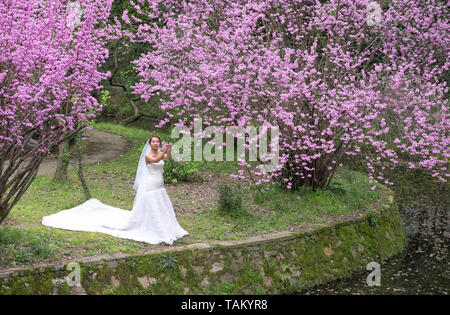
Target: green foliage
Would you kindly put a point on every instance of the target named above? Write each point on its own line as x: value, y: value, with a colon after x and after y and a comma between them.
x: 168, y: 261
x: 109, y: 107
x: 225, y: 288
x: 336, y: 187
x: 176, y: 171
x: 104, y: 97
x: 286, y: 271
x: 348, y: 191
x: 21, y: 247
x: 230, y: 198
x: 372, y: 218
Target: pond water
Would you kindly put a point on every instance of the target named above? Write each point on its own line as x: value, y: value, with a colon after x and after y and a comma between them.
x: 423, y: 267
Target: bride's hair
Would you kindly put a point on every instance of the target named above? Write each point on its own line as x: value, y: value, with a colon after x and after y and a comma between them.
x: 154, y: 136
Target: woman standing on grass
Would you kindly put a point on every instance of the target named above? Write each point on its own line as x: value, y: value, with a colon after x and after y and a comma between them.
x: 152, y: 219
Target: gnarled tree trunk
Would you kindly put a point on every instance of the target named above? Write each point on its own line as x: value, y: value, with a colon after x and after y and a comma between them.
x: 62, y: 164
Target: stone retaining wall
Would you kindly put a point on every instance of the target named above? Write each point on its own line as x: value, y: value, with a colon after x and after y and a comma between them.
x: 275, y: 264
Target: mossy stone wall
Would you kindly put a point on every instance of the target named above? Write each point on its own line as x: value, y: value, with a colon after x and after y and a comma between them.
x: 276, y: 264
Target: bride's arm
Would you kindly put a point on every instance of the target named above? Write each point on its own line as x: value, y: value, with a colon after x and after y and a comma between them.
x: 150, y: 159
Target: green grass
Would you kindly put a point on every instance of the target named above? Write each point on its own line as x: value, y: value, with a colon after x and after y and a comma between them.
x: 23, y: 246
x: 112, y: 183
x: 302, y: 208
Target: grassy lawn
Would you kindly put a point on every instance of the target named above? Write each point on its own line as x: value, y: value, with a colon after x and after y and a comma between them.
x: 24, y: 240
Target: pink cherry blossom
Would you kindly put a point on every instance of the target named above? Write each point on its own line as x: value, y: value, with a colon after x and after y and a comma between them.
x: 333, y: 83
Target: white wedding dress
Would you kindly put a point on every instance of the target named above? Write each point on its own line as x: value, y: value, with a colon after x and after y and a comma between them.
x: 152, y: 219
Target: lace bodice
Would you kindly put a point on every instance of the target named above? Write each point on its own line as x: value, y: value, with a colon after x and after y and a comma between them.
x: 154, y: 168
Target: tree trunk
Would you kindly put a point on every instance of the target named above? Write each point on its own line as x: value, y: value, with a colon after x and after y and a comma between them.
x: 137, y: 113
x: 22, y: 168
x: 62, y: 162
x: 80, y: 166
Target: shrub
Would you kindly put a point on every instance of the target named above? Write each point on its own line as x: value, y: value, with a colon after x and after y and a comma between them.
x: 372, y: 218
x: 23, y: 247
x: 230, y: 198
x: 175, y: 171
x: 168, y: 261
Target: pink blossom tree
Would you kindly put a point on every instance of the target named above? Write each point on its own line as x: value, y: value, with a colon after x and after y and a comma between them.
x: 338, y: 77
x: 50, y: 51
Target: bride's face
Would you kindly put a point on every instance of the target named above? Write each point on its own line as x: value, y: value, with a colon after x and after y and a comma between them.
x: 155, y: 144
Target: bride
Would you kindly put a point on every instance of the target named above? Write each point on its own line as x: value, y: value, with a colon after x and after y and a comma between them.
x: 152, y: 219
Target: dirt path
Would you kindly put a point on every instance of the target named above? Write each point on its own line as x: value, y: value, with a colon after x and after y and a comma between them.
x: 103, y: 146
